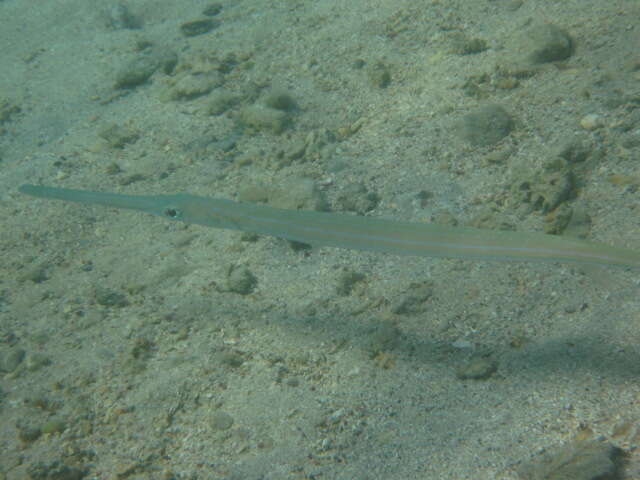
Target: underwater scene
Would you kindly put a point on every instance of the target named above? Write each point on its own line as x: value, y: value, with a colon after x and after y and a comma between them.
x: 317, y: 240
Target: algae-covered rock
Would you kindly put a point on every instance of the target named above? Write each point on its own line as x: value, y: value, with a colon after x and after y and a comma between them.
x: 8, y: 108
x: 293, y: 194
x: 54, y: 426
x: 220, y: 101
x: 212, y: 9
x: 264, y: 118
x: 462, y: 44
x: 118, y: 136
x: 542, y: 44
x: 347, y: 280
x: 582, y: 459
x: 414, y: 298
x: 241, y: 280
x: 485, y: 126
x: 357, y: 198
x: 56, y: 470
x: 139, y: 69
x: 479, y: 367
x: 280, y: 100
x: 384, y: 338
x: 198, y: 27
x: 119, y: 17
x: 221, y: 421
x: 379, y: 75
x: 547, y: 187
x: 190, y: 85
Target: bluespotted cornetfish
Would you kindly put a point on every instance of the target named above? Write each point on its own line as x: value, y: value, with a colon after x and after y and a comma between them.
x: 356, y: 232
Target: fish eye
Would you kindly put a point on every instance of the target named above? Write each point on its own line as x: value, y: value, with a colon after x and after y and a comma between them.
x: 172, y: 212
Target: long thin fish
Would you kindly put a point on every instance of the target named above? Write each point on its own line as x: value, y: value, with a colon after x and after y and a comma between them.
x: 356, y: 232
